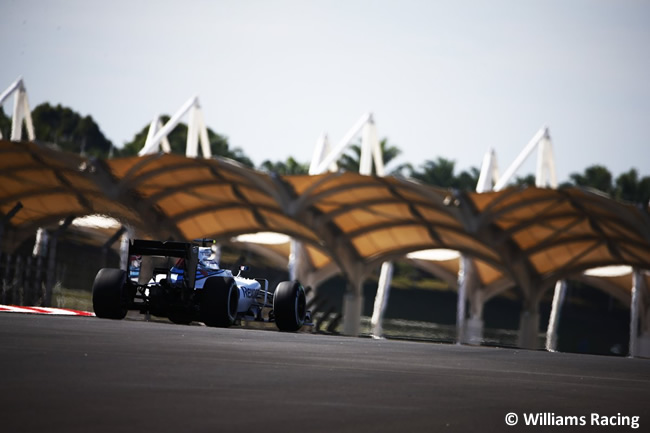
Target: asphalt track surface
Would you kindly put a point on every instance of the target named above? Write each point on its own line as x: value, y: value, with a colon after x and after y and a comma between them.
x: 83, y: 374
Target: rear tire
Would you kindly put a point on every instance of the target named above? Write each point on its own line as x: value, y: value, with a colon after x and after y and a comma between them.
x: 110, y: 294
x: 289, y: 306
x: 219, y: 301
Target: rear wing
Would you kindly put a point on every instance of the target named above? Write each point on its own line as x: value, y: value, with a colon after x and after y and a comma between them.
x: 181, y: 250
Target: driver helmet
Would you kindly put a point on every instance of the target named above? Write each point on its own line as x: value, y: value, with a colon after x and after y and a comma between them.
x: 207, y: 258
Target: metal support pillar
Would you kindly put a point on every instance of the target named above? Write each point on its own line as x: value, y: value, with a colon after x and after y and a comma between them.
x: 474, y: 324
x: 460, y: 311
x: 467, y: 282
x: 381, y: 300
x: 554, y: 319
x: 529, y: 327
x: 299, y: 268
x: 352, y: 308
x: 474, y: 331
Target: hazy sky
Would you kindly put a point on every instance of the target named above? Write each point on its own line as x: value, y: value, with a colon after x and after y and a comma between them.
x: 443, y: 78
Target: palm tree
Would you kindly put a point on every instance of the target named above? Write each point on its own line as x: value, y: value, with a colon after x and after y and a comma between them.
x: 351, y: 161
x: 291, y: 166
x: 439, y: 172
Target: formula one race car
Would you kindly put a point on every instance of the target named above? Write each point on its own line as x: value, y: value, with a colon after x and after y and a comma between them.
x: 183, y: 282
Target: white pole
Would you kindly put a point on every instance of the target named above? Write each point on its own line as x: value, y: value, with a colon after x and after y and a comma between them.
x: 464, y: 275
x: 545, y: 175
x: 365, y: 161
x: 378, y: 156
x: 320, y: 150
x: 370, y: 150
x: 192, y: 146
x: 550, y: 161
x: 203, y: 134
x: 27, y: 113
x: 540, y: 171
x: 17, y: 120
x: 489, y: 172
x: 634, y: 311
x: 154, y: 126
x: 381, y: 300
x: 554, y: 319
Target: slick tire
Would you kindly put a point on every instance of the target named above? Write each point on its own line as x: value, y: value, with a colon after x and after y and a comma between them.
x: 289, y: 306
x: 219, y: 301
x: 110, y: 294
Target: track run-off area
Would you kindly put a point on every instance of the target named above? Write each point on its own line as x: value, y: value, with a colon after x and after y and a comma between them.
x: 74, y: 374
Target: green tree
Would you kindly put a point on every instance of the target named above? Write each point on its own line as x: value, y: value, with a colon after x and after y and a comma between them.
x: 178, y: 141
x: 5, y: 125
x: 629, y: 187
x: 528, y: 180
x: 290, y: 166
x: 69, y: 130
x: 595, y: 176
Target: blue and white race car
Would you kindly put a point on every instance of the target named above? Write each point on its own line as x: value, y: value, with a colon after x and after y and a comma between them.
x: 183, y: 282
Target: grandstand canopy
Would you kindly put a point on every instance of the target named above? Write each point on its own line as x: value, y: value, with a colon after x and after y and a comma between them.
x: 534, y: 236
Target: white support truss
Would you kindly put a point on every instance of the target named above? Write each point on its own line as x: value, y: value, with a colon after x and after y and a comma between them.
x: 489, y: 180
x: 369, y: 148
x: 196, y: 131
x: 21, y: 112
x: 324, y: 159
x: 545, y: 175
x: 489, y: 172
